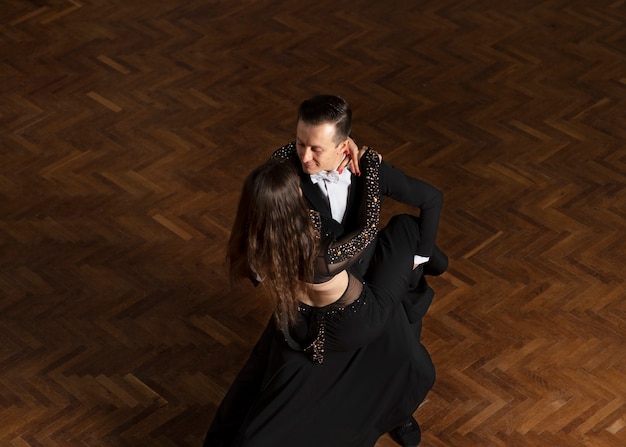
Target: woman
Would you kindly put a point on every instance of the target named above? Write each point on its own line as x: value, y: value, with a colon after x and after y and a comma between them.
x: 337, y: 364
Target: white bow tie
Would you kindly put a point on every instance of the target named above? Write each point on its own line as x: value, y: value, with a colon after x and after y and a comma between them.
x: 329, y: 176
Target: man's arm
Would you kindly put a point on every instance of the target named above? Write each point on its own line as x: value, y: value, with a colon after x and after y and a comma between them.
x: 416, y: 193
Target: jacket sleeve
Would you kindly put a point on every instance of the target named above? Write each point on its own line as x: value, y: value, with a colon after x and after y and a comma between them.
x: 419, y: 194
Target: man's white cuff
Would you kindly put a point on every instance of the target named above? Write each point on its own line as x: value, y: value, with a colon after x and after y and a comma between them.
x: 417, y: 259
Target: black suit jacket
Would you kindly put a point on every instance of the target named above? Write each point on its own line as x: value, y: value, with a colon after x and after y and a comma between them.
x: 393, y: 183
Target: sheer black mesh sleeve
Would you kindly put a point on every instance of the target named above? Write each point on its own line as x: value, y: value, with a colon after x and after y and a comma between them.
x: 339, y: 254
x: 286, y: 152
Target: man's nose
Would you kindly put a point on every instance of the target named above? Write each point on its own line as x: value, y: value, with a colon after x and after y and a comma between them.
x: 307, y: 155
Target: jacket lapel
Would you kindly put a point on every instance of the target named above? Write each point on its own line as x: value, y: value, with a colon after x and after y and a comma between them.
x: 313, y: 195
x: 351, y: 217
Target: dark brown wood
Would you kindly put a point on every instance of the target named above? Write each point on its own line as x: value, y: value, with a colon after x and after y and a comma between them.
x: 127, y: 128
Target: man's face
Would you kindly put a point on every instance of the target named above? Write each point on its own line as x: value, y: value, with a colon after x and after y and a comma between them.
x: 316, y: 147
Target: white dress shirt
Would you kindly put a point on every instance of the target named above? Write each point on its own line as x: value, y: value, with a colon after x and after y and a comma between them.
x: 335, y: 188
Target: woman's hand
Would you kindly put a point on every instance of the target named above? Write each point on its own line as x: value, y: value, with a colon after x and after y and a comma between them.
x: 353, y: 155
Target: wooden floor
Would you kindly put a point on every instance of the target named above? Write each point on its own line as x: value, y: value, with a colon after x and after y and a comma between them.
x: 127, y: 127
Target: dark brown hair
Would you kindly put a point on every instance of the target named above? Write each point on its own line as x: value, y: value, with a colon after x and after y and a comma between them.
x: 332, y: 109
x: 273, y: 235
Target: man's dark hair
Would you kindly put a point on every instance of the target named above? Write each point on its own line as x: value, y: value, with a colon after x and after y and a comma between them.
x: 332, y: 109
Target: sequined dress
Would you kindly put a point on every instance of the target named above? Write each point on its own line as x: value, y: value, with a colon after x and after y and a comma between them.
x: 347, y: 372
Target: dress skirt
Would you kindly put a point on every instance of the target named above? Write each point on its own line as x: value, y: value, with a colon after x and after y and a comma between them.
x: 374, y: 373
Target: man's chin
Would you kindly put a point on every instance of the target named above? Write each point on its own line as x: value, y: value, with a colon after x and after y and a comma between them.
x: 311, y: 171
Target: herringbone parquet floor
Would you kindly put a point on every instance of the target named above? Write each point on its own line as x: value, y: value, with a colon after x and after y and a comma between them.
x: 127, y: 128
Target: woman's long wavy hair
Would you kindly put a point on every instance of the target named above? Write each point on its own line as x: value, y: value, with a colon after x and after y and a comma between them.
x: 273, y: 235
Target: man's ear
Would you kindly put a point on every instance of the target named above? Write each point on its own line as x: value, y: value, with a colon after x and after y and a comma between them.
x: 343, y: 146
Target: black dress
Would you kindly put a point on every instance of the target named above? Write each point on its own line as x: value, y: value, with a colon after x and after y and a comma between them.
x: 347, y: 372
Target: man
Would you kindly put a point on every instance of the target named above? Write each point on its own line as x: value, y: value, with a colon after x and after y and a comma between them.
x: 320, y: 154
x: 319, y: 151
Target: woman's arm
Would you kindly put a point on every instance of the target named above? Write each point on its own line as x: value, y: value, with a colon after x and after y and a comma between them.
x: 341, y: 253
